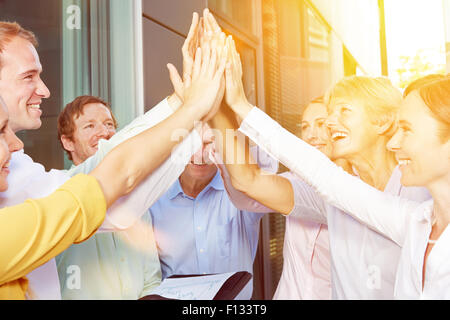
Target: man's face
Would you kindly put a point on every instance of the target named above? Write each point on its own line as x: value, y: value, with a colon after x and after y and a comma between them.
x: 200, y: 167
x: 94, y: 124
x: 21, y: 85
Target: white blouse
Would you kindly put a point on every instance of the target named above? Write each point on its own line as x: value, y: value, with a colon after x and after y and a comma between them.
x: 406, y: 222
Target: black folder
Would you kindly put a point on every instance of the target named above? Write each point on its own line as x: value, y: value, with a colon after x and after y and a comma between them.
x: 229, y: 290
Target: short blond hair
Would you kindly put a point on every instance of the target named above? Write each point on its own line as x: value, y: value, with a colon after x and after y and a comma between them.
x: 10, y: 30
x: 376, y: 94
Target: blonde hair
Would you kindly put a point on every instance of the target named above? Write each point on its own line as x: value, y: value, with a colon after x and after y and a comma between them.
x: 376, y: 94
x: 10, y: 30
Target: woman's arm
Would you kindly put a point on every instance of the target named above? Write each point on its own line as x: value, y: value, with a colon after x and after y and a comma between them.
x: 37, y: 230
x: 274, y: 192
x: 386, y: 214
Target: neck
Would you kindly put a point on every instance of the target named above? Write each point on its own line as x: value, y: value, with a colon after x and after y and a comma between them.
x: 440, y: 192
x: 374, y: 165
x: 192, y: 186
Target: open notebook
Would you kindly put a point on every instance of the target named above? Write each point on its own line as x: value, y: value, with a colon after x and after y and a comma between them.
x: 223, y: 286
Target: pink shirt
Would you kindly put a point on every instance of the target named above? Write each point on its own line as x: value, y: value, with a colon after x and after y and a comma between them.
x: 306, y: 271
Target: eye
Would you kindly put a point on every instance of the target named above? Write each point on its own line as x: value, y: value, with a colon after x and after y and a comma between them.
x: 89, y: 126
x: 345, y: 110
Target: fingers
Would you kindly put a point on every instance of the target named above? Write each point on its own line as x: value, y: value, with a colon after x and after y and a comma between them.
x: 213, y: 26
x: 188, y: 49
x: 197, y: 64
x: 206, y: 57
x: 175, y: 78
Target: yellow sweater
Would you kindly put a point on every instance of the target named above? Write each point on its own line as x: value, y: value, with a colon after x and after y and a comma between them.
x: 37, y: 230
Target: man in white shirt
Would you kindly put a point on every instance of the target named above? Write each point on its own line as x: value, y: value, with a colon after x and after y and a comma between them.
x: 114, y: 265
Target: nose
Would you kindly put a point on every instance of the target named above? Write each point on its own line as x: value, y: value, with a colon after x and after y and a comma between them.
x: 309, y: 134
x: 394, y: 143
x: 42, y: 89
x: 14, y: 143
x: 103, y: 131
x: 331, y: 121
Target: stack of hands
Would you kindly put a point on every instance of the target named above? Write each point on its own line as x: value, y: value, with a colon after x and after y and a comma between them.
x: 212, y: 72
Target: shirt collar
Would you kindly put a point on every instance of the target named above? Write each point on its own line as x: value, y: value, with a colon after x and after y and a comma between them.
x: 425, y: 212
x: 215, y: 183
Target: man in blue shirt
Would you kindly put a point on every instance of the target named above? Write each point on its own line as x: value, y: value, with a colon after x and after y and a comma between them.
x: 197, y: 228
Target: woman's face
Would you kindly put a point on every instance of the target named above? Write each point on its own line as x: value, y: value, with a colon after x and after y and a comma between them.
x: 422, y: 155
x: 351, y: 129
x: 314, y: 130
x: 8, y: 143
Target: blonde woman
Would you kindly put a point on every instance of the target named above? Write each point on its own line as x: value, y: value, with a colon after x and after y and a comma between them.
x: 362, y: 114
x: 421, y: 145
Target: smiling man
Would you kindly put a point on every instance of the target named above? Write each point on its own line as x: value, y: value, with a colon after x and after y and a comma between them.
x: 121, y: 265
x: 82, y: 123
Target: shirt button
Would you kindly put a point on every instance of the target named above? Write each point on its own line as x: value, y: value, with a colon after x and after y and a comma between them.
x: 122, y: 259
x: 199, y: 228
x: 202, y: 250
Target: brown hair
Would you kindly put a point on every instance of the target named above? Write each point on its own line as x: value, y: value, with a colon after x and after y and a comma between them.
x: 73, y: 110
x: 436, y: 96
x: 416, y: 84
x: 10, y: 30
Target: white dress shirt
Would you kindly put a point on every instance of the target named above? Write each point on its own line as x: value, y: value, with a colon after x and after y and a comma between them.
x: 28, y: 179
x: 364, y: 263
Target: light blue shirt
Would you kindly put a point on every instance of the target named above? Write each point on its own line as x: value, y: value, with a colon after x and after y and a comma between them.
x: 204, y: 235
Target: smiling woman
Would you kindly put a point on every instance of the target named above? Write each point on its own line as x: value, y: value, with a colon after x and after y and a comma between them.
x: 362, y: 113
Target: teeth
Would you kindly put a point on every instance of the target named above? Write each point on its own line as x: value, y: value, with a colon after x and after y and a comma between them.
x: 404, y: 162
x: 338, y: 135
x: 34, y: 106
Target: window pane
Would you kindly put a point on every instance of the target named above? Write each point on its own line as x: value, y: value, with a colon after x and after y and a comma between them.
x: 240, y: 12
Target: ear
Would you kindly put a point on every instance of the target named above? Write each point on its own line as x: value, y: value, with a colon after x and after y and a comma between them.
x: 68, y: 144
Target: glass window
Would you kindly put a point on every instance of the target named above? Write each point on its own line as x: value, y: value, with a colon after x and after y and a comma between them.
x: 240, y: 12
x: 318, y: 38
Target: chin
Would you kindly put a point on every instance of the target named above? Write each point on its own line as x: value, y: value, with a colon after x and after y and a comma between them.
x: 36, y: 124
x: 3, y: 186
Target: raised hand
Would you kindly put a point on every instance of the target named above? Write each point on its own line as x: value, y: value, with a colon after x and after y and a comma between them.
x: 188, y: 50
x: 207, y: 83
x: 234, y: 92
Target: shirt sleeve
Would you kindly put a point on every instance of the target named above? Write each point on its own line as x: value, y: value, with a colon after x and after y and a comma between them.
x: 38, y: 230
x: 384, y: 213
x: 308, y: 205
x: 128, y: 209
